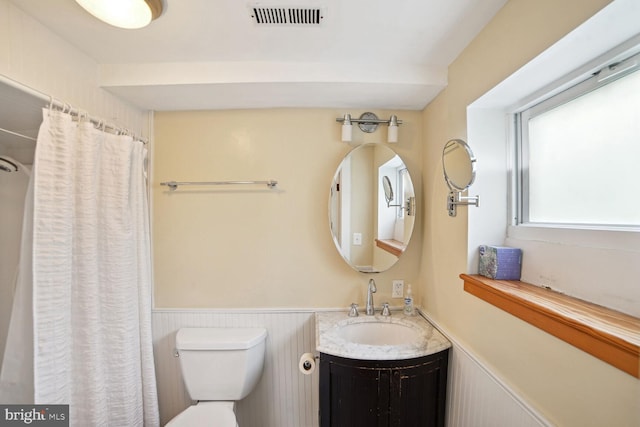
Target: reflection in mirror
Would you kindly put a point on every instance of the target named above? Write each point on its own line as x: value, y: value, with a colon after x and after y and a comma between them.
x: 459, y: 167
x: 369, y: 233
x: 388, y: 189
x: 410, y: 203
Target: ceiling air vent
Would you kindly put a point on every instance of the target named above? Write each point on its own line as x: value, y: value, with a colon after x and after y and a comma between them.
x: 286, y: 15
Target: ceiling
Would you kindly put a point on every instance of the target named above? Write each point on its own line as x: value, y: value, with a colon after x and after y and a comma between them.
x: 211, y: 54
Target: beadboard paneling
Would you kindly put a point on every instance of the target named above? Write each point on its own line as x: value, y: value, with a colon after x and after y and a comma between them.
x: 286, y: 398
x: 475, y: 397
x: 283, y: 397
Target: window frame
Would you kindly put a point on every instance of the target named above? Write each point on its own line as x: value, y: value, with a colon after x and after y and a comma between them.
x: 614, y: 69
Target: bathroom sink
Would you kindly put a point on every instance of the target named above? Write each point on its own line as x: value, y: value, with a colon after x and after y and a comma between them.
x: 377, y: 337
x: 378, y: 333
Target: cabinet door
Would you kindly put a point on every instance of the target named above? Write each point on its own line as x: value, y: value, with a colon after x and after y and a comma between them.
x: 418, y: 395
x: 396, y: 393
x: 353, y: 397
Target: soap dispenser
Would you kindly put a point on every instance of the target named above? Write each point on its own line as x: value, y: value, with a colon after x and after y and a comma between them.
x: 409, y: 310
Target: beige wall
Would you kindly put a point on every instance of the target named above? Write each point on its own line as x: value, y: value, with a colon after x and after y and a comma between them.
x: 250, y: 247
x: 246, y: 248
x: 568, y: 386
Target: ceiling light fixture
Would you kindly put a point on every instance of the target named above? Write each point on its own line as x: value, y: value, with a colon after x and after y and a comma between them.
x: 129, y: 14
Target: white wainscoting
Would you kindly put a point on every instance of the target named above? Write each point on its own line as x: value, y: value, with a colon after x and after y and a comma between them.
x: 286, y: 398
x: 476, y: 398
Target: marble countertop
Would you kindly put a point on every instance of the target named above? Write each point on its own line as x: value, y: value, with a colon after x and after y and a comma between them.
x: 329, y: 341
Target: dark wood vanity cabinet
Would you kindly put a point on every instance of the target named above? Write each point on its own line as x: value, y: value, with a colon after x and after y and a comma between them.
x: 388, y: 393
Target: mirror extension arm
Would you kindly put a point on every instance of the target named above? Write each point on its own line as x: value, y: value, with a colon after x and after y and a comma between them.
x: 456, y: 198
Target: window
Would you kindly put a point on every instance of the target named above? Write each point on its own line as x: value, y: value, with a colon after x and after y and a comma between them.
x: 594, y: 264
x: 573, y: 205
x: 402, y: 176
x: 579, y: 153
x: 390, y: 220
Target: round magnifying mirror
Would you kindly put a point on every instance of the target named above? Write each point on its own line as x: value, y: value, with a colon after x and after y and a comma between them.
x: 388, y: 189
x: 369, y: 233
x: 459, y: 165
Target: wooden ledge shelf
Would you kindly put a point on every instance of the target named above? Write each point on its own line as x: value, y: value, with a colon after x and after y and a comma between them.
x: 392, y: 246
x: 609, y: 335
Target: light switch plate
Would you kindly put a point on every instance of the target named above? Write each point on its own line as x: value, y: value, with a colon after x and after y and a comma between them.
x: 357, y: 239
x: 398, y: 289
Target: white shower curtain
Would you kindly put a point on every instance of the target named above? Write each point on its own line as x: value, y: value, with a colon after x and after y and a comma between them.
x: 91, y: 276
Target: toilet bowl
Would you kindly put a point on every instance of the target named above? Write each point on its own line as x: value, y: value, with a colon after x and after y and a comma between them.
x: 219, y: 367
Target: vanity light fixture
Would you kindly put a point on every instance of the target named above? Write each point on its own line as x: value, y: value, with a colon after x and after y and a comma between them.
x: 368, y: 123
x: 128, y: 14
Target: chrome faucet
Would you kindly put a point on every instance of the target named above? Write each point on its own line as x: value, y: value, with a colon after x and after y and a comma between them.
x: 370, y: 291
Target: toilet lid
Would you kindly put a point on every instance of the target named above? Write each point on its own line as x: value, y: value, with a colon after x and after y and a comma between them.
x: 205, y: 414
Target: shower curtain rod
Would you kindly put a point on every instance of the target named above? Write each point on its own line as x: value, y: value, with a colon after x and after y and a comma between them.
x: 68, y: 108
x: 17, y: 134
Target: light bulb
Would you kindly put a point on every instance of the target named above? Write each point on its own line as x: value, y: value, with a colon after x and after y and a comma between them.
x: 392, y: 132
x: 347, y: 128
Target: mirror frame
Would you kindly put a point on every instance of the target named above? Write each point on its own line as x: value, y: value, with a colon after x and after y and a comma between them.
x: 472, y: 160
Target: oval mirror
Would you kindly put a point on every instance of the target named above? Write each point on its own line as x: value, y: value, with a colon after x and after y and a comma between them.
x: 458, y: 164
x: 370, y: 233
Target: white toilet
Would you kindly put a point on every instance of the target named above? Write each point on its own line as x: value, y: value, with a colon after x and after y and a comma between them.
x: 219, y: 366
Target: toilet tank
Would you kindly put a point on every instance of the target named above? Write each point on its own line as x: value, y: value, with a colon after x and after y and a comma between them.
x: 221, y: 363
